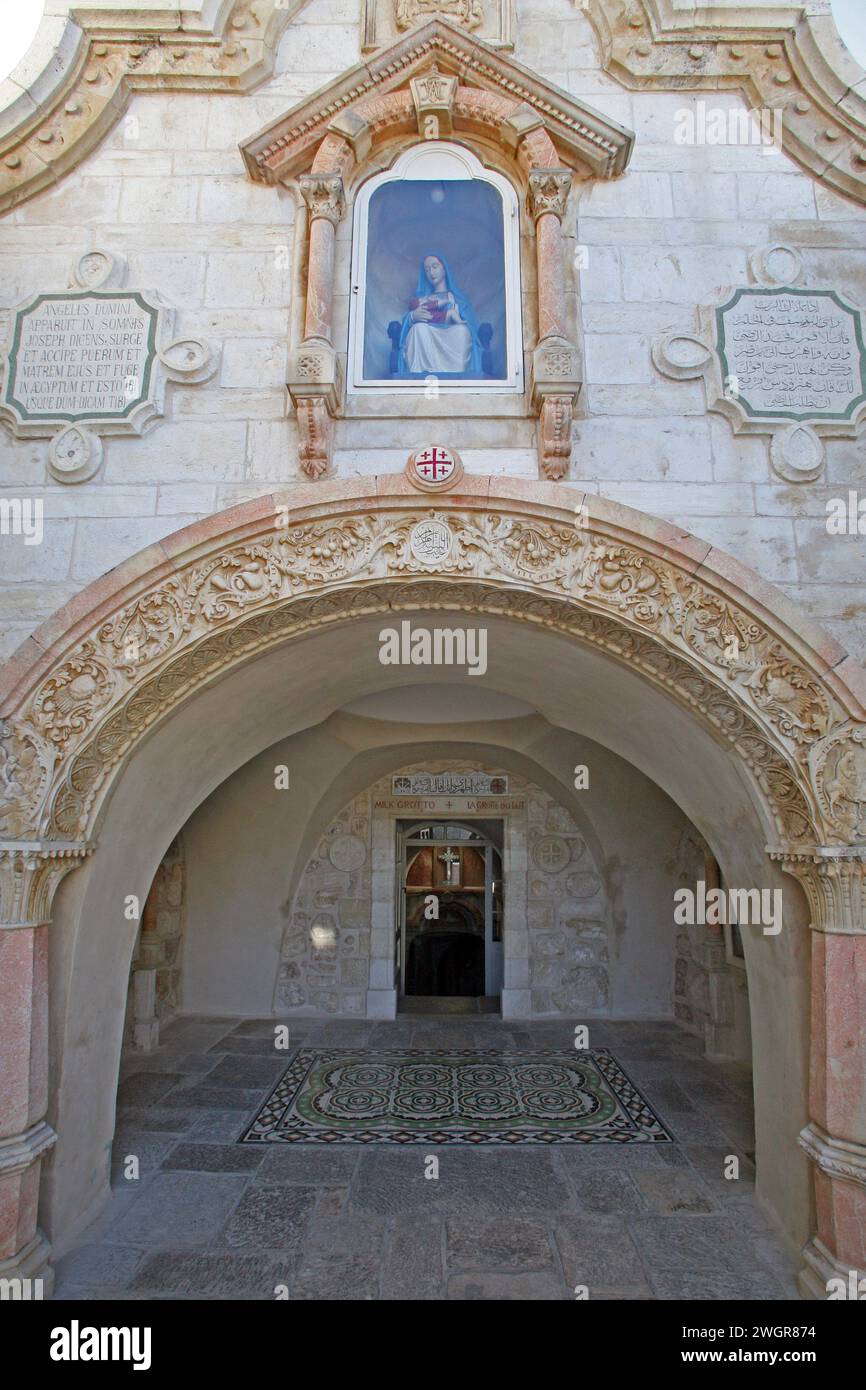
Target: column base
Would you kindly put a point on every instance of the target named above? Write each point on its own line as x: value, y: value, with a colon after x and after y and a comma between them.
x: 827, y: 1278
x: 32, y: 1266
x: 516, y: 1003
x: 381, y: 1003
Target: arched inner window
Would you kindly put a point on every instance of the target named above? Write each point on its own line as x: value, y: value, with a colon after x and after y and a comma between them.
x: 435, y: 303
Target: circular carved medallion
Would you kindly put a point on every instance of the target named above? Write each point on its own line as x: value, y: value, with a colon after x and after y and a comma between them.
x: 551, y: 853
x: 347, y: 852
x: 430, y: 541
x: 434, y: 468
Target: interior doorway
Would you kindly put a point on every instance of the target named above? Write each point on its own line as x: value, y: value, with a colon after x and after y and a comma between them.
x: 450, y: 905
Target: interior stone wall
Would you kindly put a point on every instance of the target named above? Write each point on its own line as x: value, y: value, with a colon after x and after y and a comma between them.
x: 555, y: 891
x: 710, y: 993
x: 158, y: 946
x: 325, y: 951
x: 568, y: 915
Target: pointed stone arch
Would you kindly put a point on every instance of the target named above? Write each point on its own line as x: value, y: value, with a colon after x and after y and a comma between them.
x: 98, y: 679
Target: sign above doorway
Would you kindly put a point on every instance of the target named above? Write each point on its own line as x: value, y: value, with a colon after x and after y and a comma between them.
x: 449, y: 784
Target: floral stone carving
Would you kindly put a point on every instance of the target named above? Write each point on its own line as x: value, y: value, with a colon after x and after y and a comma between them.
x: 743, y: 683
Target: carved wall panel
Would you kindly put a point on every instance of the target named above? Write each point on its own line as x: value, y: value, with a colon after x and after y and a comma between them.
x: 752, y: 690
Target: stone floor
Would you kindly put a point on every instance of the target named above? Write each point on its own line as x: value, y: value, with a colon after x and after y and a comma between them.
x: 211, y: 1218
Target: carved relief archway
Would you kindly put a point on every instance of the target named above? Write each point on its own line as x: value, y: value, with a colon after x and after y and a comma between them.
x: 90, y: 686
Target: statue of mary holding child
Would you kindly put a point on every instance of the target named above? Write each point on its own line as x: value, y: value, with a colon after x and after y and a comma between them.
x: 439, y: 334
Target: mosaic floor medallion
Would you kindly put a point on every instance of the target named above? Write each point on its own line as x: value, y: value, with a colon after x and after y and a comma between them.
x: 355, y: 1096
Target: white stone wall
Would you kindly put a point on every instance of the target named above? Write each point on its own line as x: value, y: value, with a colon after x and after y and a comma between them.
x: 261, y: 876
x: 167, y: 189
x: 326, y: 946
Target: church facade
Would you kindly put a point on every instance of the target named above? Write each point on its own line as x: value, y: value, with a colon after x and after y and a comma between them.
x: 430, y: 443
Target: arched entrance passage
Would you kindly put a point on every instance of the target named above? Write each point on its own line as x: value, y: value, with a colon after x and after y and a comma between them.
x: 183, y: 663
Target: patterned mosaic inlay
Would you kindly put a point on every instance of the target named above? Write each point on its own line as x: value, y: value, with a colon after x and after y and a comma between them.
x: 470, y: 1097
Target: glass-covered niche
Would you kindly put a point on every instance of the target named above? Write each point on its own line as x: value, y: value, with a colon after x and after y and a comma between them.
x: 436, y: 277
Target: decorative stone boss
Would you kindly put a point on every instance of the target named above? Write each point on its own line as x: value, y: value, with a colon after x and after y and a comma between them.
x: 428, y: 85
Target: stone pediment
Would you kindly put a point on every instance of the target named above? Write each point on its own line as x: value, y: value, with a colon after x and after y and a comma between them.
x: 585, y: 139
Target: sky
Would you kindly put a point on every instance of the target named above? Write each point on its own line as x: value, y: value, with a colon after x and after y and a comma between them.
x: 19, y: 20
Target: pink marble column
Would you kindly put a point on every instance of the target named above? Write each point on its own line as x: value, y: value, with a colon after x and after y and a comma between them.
x: 551, y: 277
x: 323, y: 195
x: 835, y: 1138
x: 837, y: 1101
x: 29, y: 875
x: 320, y: 280
x: 24, y: 1136
x: 548, y: 195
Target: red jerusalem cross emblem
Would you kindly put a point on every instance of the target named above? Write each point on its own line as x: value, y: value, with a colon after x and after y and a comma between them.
x: 434, y: 468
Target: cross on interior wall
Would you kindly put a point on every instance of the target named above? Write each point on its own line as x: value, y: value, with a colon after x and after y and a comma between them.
x: 449, y: 858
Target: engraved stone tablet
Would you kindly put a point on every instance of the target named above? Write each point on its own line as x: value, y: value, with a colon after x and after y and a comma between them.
x: 83, y: 357
x: 792, y: 354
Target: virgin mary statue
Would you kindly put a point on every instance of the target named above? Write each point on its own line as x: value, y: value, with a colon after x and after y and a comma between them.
x: 439, y: 335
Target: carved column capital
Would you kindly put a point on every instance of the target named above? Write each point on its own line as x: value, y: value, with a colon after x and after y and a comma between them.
x: 834, y: 881
x: 548, y: 192
x: 324, y: 196
x: 30, y: 874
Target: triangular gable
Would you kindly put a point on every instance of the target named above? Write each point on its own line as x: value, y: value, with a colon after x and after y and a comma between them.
x: 584, y: 138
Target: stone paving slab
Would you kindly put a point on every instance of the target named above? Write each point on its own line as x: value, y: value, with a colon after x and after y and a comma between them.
x: 412, y: 1260
x: 597, y: 1252
x: 341, y: 1259
x: 157, y: 1120
x: 150, y: 1150
x: 146, y: 1088
x: 469, y: 1181
x: 207, y: 1274
x: 211, y: 1158
x: 97, y: 1266
x: 217, y: 1127
x: 634, y: 1222
x: 507, y: 1288
x: 323, y: 1166
x: 179, y: 1209
x: 248, y: 1072
x: 214, y: 1098
x: 498, y: 1243
x: 614, y: 1194
x: 671, y: 1190
x: 256, y: 1045
x: 271, y: 1217
x: 694, y: 1244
